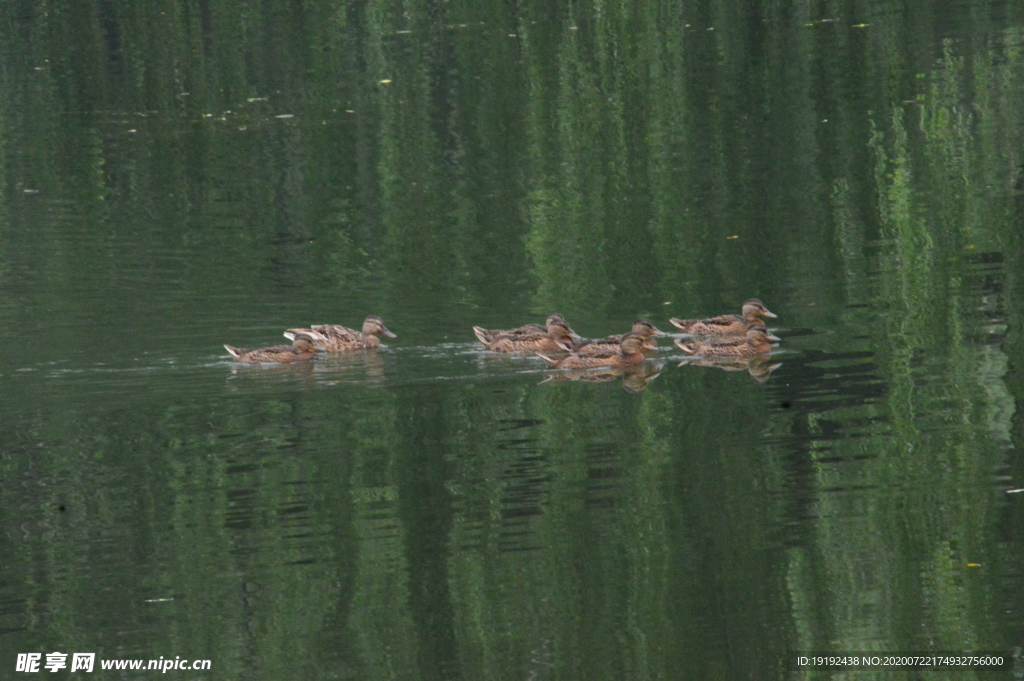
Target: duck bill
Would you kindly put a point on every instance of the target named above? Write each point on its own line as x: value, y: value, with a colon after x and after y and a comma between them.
x: 772, y: 337
x: 768, y: 313
x: 658, y: 332
x: 388, y: 333
x: 650, y: 345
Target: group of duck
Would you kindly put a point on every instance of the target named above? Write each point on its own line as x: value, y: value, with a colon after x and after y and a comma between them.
x: 743, y: 335
x: 317, y: 338
x: 724, y: 336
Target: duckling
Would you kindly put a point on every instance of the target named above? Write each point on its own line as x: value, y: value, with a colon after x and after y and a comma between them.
x: 754, y: 343
x: 488, y: 336
x: 727, y: 324
x: 337, y: 338
x: 630, y: 353
x: 557, y: 331
x: 641, y: 327
x: 301, y: 350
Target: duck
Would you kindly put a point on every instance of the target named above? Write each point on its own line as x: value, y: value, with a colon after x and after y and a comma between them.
x: 630, y: 353
x: 557, y: 332
x: 337, y: 338
x: 755, y: 342
x: 727, y: 324
x: 642, y: 327
x: 487, y: 336
x: 301, y: 350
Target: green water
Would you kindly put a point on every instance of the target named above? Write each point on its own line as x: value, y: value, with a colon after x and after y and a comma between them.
x: 180, y: 175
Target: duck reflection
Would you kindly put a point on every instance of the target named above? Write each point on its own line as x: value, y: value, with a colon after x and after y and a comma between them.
x: 353, y: 367
x: 302, y: 372
x: 634, y: 378
x: 760, y: 367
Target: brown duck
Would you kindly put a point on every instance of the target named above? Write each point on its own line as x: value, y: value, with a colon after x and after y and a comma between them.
x: 630, y: 353
x: 727, y: 324
x: 488, y: 336
x: 301, y: 350
x: 557, y: 331
x: 641, y: 327
x: 756, y: 342
x: 337, y: 338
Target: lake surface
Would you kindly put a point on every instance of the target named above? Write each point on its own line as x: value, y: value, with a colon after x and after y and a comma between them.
x: 184, y: 175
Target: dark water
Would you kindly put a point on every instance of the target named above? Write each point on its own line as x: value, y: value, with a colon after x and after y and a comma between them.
x: 179, y: 178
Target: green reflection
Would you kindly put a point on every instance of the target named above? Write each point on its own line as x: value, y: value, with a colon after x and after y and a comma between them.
x: 181, y: 175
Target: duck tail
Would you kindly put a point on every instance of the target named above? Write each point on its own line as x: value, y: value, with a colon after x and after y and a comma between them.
x: 482, y: 335
x: 290, y: 334
x: 568, y: 346
x: 550, y: 360
x: 688, y: 348
x: 681, y: 324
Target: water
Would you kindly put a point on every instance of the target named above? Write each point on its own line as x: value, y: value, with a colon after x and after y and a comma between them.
x: 432, y: 510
